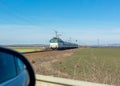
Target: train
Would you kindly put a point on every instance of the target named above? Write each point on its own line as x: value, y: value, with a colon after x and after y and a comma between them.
x: 57, y: 43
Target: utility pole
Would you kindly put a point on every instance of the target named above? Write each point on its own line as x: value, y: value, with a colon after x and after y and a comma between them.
x: 98, y: 42
x: 70, y: 39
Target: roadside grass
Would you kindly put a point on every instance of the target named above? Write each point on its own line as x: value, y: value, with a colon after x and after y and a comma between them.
x: 100, y: 65
x: 27, y: 49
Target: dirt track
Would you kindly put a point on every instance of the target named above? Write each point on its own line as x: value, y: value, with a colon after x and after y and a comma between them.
x: 42, y: 61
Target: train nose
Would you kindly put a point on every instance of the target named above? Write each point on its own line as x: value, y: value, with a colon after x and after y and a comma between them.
x: 53, y: 45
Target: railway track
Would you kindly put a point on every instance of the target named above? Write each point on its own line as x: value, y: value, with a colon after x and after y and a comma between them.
x: 46, y: 50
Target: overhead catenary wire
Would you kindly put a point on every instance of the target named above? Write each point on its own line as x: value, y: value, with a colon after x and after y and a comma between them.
x: 15, y: 13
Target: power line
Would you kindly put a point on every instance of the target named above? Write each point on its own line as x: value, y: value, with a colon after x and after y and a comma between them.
x: 15, y: 13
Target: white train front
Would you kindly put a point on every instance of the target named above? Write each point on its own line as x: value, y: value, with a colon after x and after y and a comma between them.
x: 57, y: 43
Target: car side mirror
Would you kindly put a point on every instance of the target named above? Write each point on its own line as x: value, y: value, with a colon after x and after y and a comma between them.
x: 15, y: 69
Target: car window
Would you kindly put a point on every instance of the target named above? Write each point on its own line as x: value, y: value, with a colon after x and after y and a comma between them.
x: 7, y: 67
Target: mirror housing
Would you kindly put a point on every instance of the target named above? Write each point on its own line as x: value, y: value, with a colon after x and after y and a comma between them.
x: 25, y: 62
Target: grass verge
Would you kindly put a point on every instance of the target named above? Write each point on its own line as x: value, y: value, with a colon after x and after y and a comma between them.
x: 100, y: 65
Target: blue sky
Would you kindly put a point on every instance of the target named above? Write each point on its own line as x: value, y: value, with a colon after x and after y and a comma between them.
x: 34, y: 21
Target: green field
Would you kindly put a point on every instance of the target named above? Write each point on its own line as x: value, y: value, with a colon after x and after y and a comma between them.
x: 100, y: 65
x: 27, y: 49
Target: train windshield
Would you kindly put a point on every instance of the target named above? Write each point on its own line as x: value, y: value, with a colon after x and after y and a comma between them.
x: 55, y: 40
